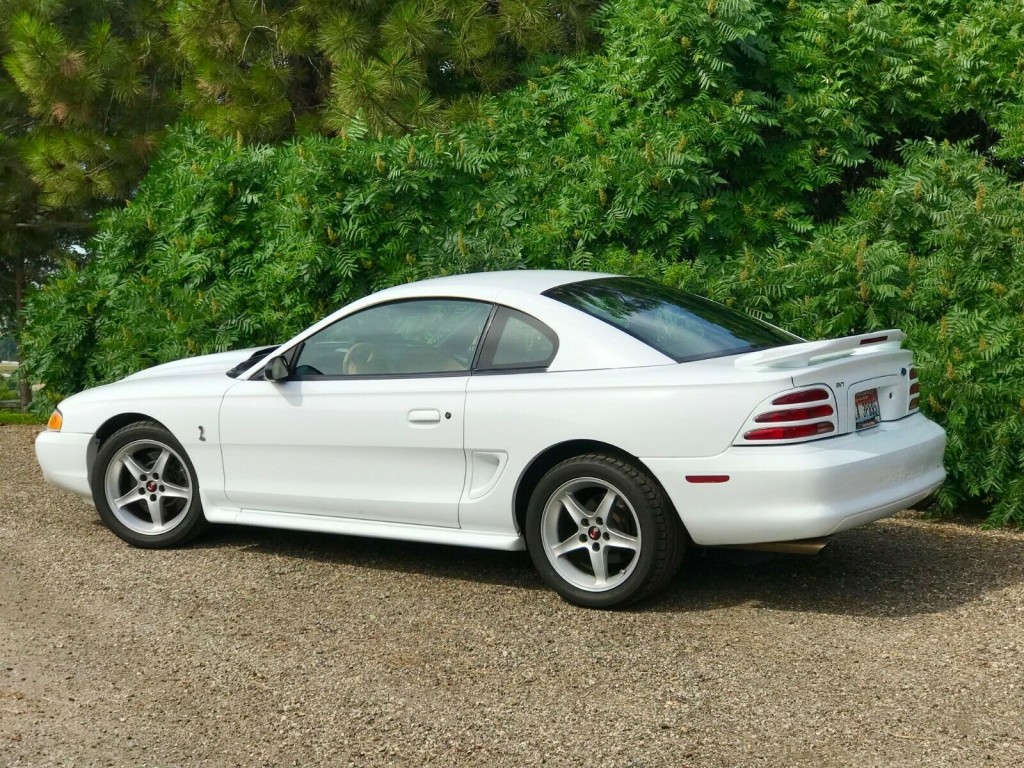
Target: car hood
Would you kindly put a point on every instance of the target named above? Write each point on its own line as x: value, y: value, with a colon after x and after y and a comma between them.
x: 220, y: 362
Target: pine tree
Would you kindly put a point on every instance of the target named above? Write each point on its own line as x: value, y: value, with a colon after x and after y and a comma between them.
x: 86, y: 92
x: 269, y: 69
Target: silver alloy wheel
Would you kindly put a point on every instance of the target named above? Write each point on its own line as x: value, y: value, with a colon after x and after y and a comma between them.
x: 590, y: 534
x: 148, y: 487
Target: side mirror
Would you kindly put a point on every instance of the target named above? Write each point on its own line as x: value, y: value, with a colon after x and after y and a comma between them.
x: 276, y: 369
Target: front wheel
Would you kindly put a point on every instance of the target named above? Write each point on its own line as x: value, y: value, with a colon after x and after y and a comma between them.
x: 145, y: 487
x: 601, y: 532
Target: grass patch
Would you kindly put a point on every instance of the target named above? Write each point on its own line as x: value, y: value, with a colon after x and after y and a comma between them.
x: 20, y: 417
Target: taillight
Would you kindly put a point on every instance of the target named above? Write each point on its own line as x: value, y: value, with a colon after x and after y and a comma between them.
x: 800, y: 415
x: 795, y: 414
x: 791, y: 433
x: 915, y: 391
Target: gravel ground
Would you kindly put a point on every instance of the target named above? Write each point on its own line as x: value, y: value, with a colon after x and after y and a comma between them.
x: 900, y: 645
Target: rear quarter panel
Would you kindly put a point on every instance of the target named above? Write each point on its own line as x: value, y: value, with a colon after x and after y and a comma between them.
x: 677, y: 410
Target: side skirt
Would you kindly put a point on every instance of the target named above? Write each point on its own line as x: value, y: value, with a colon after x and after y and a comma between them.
x: 400, y: 531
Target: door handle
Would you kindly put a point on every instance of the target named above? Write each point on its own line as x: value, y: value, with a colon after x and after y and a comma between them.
x: 425, y: 416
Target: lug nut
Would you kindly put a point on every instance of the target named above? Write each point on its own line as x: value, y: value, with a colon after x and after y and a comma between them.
x: 596, y: 546
x: 599, y: 521
x: 607, y: 536
x: 583, y: 537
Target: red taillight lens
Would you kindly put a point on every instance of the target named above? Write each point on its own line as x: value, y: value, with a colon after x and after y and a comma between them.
x: 791, y: 433
x: 795, y: 414
x: 804, y: 396
x: 915, y: 391
x: 799, y: 415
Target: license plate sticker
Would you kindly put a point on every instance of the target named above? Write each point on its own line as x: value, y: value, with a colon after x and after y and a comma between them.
x: 868, y: 414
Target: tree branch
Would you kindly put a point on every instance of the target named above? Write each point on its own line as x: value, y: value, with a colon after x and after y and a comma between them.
x: 55, y: 225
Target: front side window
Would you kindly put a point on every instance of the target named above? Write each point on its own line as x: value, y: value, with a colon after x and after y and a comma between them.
x: 677, y: 324
x: 425, y: 336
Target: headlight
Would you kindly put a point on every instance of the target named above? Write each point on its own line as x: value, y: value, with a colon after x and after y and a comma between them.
x: 56, y: 420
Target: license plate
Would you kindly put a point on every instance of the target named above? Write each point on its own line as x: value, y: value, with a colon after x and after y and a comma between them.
x: 868, y: 414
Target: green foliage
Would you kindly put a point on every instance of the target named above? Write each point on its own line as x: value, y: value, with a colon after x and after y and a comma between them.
x: 269, y: 69
x: 20, y: 417
x: 85, y: 86
x: 784, y: 157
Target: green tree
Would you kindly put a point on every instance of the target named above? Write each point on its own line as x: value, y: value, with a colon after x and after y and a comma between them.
x: 84, y: 100
x: 271, y: 69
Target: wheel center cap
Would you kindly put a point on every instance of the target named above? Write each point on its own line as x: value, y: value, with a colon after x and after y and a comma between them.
x: 151, y: 486
x: 594, y: 532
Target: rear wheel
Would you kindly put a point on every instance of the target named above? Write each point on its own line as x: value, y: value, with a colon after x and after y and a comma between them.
x: 601, y: 532
x: 145, y: 487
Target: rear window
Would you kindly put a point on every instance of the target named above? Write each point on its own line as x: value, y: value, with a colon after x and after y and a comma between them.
x: 677, y: 324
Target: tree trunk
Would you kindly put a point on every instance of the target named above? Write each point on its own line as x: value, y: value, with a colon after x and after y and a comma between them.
x: 24, y: 388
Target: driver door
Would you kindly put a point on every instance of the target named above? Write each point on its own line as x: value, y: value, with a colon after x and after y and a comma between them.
x: 369, y: 424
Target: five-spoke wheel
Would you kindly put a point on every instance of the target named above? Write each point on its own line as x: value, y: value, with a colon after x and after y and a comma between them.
x: 145, y: 489
x: 601, y: 532
x: 590, y: 534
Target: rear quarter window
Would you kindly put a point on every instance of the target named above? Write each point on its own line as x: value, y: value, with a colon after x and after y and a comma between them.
x: 517, y: 342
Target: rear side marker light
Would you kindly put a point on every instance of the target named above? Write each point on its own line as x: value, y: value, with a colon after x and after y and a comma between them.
x: 707, y: 478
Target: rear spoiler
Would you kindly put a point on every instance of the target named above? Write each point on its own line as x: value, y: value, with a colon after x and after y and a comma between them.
x: 810, y: 352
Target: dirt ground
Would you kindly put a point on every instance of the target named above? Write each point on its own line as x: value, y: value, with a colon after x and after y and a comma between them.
x: 900, y: 645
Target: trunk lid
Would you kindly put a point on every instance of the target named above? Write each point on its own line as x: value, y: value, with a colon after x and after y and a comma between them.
x: 858, y: 370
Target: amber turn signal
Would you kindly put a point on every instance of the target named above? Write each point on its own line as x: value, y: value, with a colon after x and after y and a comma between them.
x: 55, y: 422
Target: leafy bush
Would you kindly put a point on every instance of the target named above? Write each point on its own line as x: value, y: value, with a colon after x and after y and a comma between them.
x: 931, y: 248
x: 772, y: 155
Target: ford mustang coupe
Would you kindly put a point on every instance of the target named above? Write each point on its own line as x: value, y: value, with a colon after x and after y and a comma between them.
x: 602, y: 422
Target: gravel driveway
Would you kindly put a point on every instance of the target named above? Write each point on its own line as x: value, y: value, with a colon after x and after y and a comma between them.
x: 900, y: 645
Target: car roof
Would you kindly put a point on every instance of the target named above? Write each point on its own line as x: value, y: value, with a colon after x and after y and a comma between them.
x: 489, y: 284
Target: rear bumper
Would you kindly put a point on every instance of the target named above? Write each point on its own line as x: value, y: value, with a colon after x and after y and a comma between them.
x: 63, y: 457
x: 786, y: 492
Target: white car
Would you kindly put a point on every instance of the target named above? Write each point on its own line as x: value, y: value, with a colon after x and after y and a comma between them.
x: 602, y: 422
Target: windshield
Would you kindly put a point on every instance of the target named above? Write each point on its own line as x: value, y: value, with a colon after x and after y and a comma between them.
x: 680, y: 325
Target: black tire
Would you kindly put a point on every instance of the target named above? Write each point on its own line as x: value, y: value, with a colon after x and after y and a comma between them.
x: 633, y: 535
x: 144, y: 460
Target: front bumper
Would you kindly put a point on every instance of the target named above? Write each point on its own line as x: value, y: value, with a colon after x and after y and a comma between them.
x: 64, y: 459
x: 787, y: 492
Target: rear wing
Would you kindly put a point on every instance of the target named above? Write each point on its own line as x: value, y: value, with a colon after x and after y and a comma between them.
x: 811, y: 352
